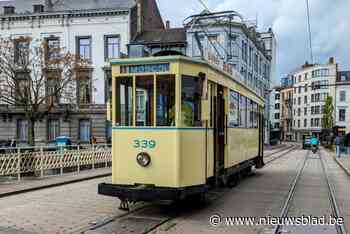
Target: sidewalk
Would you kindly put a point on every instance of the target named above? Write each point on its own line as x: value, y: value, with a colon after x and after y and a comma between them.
x: 343, y: 161
x: 26, y: 185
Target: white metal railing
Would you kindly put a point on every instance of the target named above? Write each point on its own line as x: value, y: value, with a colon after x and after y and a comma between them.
x: 17, y: 161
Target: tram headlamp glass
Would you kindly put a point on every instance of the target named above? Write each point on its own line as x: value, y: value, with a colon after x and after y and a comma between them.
x: 143, y: 159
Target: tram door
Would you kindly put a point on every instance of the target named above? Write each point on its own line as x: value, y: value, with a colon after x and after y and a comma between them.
x: 219, y: 131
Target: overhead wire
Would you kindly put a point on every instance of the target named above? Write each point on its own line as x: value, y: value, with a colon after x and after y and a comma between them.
x: 309, y: 29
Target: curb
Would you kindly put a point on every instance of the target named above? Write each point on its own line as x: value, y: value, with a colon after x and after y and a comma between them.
x: 342, y: 165
x: 7, y: 194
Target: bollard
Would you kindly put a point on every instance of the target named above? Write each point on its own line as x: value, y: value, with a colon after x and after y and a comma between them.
x: 41, y: 162
x: 18, y: 164
x: 78, y: 158
x: 61, y: 161
x: 93, y: 156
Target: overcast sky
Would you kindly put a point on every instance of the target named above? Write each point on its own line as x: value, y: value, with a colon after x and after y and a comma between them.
x: 330, y: 26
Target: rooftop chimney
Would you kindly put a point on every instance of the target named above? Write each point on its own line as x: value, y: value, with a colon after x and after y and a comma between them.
x: 38, y: 8
x: 8, y: 10
x: 167, y: 24
x: 331, y: 60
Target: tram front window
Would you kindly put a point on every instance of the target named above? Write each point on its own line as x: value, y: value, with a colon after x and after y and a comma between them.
x: 124, y: 107
x: 165, y: 101
x: 144, y: 101
x: 191, y: 101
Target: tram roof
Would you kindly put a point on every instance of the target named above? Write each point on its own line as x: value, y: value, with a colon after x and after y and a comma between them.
x: 184, y: 59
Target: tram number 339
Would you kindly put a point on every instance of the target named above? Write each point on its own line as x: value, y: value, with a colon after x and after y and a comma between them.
x: 144, y: 144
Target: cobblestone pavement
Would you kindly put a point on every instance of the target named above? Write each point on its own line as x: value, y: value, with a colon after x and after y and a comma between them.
x: 260, y: 195
x: 63, y: 209
x: 341, y: 181
x: 76, y: 207
x: 35, y: 183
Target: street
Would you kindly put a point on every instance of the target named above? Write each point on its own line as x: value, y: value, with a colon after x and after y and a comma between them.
x: 76, y: 208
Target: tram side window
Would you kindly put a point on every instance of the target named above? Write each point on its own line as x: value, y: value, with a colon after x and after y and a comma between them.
x: 165, y: 101
x: 124, y: 107
x: 255, y: 115
x: 233, y: 111
x: 144, y: 101
x: 191, y: 101
x: 243, y: 111
x: 250, y: 113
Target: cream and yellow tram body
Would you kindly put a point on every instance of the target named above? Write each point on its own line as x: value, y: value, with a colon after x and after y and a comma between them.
x: 179, y: 127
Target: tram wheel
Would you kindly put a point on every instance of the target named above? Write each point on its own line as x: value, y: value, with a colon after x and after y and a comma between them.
x: 124, y: 205
x: 233, y: 181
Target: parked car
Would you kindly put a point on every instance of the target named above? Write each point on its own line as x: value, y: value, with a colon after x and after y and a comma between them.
x: 306, y: 142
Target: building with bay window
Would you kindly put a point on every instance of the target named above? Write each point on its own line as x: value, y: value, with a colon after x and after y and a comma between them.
x: 342, y: 102
x: 312, y: 84
x: 97, y: 30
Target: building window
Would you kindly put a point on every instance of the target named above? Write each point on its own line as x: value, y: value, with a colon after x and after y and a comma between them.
x: 84, y: 47
x: 299, y: 112
x: 299, y: 78
x: 305, y: 123
x: 53, y: 129
x: 277, y: 125
x: 22, y: 130
x: 52, y: 87
x: 317, y: 110
x: 305, y: 111
x: 299, y: 89
x: 305, y: 99
x: 317, y: 122
x: 277, y: 106
x: 305, y: 76
x: 21, y: 51
x: 84, y: 90
x: 277, y: 96
x: 305, y: 88
x: 53, y: 48
x: 112, y: 47
x: 312, y: 122
x: 277, y: 116
x: 342, y: 113
x: 320, y: 73
x: 299, y: 100
x: 84, y: 130
x: 342, y: 96
x: 299, y: 123
x: 312, y: 110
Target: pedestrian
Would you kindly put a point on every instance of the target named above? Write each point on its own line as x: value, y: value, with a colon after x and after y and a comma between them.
x: 93, y: 140
x: 337, y: 145
x: 347, y: 139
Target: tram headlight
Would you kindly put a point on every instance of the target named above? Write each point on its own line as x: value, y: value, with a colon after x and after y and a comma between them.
x: 143, y: 159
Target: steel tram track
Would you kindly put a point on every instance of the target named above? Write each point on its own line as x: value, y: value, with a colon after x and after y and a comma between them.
x: 281, y: 149
x: 152, y: 223
x: 287, y: 204
x: 284, y: 152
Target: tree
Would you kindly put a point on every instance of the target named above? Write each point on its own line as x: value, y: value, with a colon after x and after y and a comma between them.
x: 36, y: 76
x: 328, y: 121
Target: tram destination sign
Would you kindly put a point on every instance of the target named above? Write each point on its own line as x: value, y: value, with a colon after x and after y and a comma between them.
x: 145, y: 68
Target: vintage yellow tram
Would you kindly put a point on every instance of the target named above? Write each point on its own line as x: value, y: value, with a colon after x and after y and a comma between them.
x: 179, y: 126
